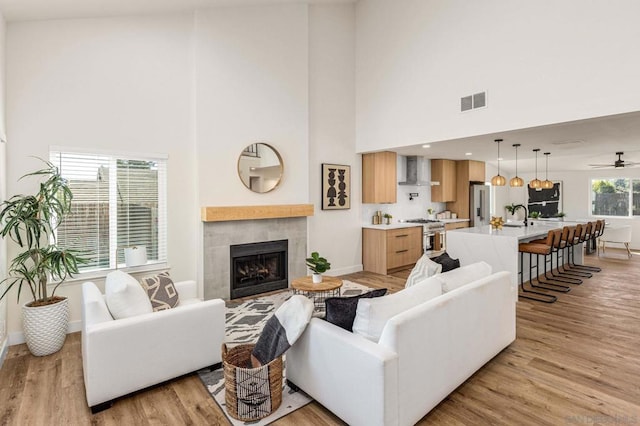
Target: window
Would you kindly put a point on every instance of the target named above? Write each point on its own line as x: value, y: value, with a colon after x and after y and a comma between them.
x: 118, y: 201
x: 615, y: 197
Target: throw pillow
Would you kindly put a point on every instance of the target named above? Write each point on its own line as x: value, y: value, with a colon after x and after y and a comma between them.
x: 462, y: 276
x: 341, y: 311
x: 125, y: 296
x: 424, y: 268
x: 447, y: 262
x: 372, y: 314
x: 161, y: 291
x: 282, y: 330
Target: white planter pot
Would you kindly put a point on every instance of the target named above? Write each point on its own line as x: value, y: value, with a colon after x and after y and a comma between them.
x: 45, y: 327
x: 316, y: 278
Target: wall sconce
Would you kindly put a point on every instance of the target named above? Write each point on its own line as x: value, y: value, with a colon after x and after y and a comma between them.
x: 413, y: 195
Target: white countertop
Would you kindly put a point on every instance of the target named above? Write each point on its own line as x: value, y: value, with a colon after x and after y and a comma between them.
x: 396, y: 225
x: 453, y: 220
x: 538, y: 229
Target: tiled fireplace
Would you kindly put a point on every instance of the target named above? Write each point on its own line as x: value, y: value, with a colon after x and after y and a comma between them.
x: 223, y: 236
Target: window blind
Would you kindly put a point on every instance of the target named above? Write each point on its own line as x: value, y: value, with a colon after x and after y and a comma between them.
x: 118, y: 201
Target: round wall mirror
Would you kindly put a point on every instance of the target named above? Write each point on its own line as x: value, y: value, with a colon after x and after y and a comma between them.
x: 260, y: 167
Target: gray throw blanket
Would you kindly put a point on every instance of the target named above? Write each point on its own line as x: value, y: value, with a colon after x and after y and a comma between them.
x: 282, y: 330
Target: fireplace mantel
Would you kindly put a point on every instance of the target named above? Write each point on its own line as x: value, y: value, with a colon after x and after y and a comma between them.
x: 229, y: 213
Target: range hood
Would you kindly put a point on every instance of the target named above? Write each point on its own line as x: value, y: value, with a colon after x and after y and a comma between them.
x: 415, y: 171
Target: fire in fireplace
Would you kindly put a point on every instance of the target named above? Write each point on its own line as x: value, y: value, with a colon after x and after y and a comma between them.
x: 258, y: 268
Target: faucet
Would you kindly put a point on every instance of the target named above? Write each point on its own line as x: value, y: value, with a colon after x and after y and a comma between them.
x: 526, y: 213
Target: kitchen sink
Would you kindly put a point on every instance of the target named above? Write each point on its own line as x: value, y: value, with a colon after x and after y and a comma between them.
x: 513, y: 225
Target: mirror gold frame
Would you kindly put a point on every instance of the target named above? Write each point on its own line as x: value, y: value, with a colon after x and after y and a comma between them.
x: 260, y: 167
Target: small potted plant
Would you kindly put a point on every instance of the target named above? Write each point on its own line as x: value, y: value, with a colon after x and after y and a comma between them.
x: 534, y: 215
x: 431, y: 215
x: 388, y: 218
x: 560, y: 216
x: 318, y: 265
x: 512, y: 209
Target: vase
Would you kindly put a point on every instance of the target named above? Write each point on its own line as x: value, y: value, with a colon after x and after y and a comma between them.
x: 316, y: 278
x: 45, y: 327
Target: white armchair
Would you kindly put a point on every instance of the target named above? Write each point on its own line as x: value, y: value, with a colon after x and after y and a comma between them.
x: 125, y: 355
x: 617, y: 234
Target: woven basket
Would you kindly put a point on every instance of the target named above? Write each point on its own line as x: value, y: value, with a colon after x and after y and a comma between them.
x: 250, y: 393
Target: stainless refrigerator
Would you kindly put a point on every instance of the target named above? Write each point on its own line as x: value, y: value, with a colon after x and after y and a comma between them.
x: 479, y: 196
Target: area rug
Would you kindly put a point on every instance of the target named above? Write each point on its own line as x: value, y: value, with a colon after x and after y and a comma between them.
x: 244, y: 323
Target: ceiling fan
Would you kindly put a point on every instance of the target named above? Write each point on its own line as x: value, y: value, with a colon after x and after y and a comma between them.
x: 619, y: 163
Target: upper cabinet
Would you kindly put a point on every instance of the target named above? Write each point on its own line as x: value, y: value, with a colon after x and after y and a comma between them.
x: 379, y: 177
x: 443, y: 171
x: 476, y: 170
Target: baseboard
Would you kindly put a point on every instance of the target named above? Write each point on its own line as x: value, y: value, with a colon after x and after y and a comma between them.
x: 345, y: 270
x: 17, y: 337
x: 4, y: 348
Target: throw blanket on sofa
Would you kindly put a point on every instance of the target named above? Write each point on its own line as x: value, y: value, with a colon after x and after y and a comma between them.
x: 282, y: 330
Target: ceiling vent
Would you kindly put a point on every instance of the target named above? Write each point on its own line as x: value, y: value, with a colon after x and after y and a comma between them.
x: 475, y: 101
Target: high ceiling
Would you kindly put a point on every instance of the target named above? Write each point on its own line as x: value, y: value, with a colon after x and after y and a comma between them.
x: 21, y: 10
x: 573, y: 146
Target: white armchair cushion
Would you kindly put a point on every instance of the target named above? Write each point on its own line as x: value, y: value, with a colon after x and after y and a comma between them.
x: 125, y: 296
x: 372, y: 314
x: 464, y: 275
x: 424, y: 268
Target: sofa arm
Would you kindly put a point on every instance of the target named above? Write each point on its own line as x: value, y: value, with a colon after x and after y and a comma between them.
x: 187, y: 289
x: 122, y: 356
x: 353, y: 377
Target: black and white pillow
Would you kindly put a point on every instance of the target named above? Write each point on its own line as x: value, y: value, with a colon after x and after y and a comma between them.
x: 341, y: 311
x: 282, y: 330
x: 161, y: 291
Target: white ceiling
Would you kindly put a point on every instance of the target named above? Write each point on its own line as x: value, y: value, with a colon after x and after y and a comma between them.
x: 572, y: 145
x: 24, y: 10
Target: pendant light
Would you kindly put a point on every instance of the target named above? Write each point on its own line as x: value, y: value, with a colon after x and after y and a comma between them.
x: 536, y: 183
x: 546, y: 183
x: 516, y: 181
x: 498, y: 180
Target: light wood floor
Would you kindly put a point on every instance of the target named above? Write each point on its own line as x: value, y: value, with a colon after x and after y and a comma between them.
x: 574, y: 362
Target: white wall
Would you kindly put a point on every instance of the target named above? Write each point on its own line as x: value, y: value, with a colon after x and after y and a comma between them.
x: 540, y: 62
x: 252, y: 71
x: 335, y: 234
x: 3, y: 189
x: 117, y: 84
x: 198, y: 87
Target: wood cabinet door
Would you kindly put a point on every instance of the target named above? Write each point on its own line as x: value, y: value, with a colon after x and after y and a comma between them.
x: 444, y: 172
x: 379, y: 177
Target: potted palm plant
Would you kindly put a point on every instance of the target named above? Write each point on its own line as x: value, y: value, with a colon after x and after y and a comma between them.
x: 318, y: 265
x: 30, y: 221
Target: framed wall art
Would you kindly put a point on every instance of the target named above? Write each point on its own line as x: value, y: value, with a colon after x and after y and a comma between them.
x: 336, y: 187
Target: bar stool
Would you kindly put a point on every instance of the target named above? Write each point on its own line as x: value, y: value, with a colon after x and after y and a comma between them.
x: 538, y: 249
x: 558, y: 247
x: 594, y: 230
x: 582, y: 236
x: 573, y: 237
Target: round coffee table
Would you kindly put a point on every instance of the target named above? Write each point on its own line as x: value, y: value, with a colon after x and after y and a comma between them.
x: 329, y: 287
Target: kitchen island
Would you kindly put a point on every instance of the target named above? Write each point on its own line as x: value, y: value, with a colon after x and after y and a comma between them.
x: 499, y: 247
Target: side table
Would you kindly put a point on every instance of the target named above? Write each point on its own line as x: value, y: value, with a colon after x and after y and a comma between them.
x: 329, y: 287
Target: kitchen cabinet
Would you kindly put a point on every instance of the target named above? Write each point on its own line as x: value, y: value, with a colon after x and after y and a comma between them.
x: 455, y: 225
x: 467, y: 171
x: 443, y: 171
x: 386, y: 251
x: 379, y: 177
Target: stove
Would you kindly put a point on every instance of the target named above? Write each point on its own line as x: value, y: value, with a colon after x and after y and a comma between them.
x: 433, y: 234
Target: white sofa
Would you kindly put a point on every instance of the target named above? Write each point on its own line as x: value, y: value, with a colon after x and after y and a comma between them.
x: 423, y: 353
x: 125, y: 355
